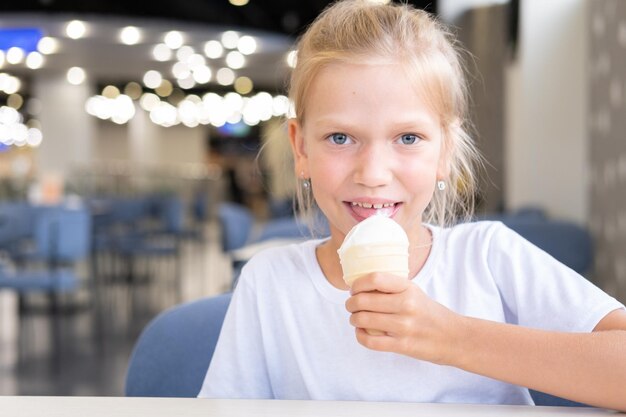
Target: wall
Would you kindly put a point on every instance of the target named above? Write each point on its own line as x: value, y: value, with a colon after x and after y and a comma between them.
x: 606, y: 64
x: 546, y: 141
x: 451, y: 10
x: 68, y: 130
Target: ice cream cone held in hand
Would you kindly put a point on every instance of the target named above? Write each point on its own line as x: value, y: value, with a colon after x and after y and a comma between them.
x: 377, y: 244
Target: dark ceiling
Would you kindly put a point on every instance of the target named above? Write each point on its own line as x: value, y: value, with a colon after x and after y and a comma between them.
x: 284, y: 16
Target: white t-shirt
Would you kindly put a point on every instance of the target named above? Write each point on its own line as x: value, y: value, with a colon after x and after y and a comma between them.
x: 287, y: 334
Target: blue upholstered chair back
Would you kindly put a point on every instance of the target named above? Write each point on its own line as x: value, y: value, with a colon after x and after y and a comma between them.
x: 63, y: 235
x: 567, y: 242
x: 173, y: 352
x: 236, y: 223
x: 15, y: 222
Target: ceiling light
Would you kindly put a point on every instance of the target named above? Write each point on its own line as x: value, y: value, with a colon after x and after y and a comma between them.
x: 34, y: 137
x: 165, y: 89
x: 243, y: 85
x: 130, y: 35
x: 246, y: 45
x: 196, y: 61
x: 235, y: 60
x: 1, y: 58
x: 149, y: 101
x: 15, y: 55
x: 15, y: 101
x: 110, y: 91
x: 230, y: 39
x: 186, y: 83
x: 133, y: 90
x: 12, y: 85
x: 238, y: 2
x: 76, y: 29
x: 280, y: 105
x: 213, y: 49
x: 152, y: 79
x: 225, y: 76
x: 184, y: 52
x: 123, y: 109
x: 202, y: 75
x: 181, y: 70
x: 174, y: 39
x: 34, y: 60
x: 76, y: 75
x: 162, y: 52
x: 292, y: 58
x: 48, y: 45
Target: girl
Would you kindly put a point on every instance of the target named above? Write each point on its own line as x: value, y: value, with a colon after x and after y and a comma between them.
x: 380, y: 111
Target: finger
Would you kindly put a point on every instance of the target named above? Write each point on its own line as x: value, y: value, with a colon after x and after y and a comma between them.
x: 374, y: 301
x: 379, y: 342
x: 380, y: 281
x: 391, y: 324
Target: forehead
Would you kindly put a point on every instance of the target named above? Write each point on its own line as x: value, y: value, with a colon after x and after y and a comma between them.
x: 368, y: 90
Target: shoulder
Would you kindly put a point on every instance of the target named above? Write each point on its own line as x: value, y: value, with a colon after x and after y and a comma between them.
x: 478, y: 242
x: 481, y: 232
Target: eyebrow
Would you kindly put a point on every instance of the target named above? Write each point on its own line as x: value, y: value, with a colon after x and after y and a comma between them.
x: 422, y: 121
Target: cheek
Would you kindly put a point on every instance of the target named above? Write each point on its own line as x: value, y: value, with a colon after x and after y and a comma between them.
x: 327, y: 167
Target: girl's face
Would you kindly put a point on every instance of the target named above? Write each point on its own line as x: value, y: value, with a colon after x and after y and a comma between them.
x: 370, y: 145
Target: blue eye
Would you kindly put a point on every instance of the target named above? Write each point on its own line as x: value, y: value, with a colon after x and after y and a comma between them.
x: 339, y: 138
x: 409, y: 139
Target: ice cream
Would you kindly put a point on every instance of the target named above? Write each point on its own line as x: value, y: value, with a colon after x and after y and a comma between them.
x: 377, y: 244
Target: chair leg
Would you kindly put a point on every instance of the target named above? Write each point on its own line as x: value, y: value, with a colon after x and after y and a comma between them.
x: 56, y: 328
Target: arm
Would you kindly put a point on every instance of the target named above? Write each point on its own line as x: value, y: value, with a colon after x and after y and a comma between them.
x: 585, y: 367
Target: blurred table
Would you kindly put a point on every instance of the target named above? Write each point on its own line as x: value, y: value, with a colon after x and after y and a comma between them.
x: 245, y: 253
x: 13, y: 406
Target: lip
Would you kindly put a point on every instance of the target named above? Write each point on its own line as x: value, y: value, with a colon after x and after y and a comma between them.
x: 357, y: 215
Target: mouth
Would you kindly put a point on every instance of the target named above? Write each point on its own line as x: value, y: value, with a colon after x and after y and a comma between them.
x: 361, y: 210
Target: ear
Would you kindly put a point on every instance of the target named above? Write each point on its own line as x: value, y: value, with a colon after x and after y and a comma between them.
x: 298, y: 147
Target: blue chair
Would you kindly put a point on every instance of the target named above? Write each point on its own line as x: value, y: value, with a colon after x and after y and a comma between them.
x: 172, y: 354
x: 147, y: 229
x: 61, y: 238
x: 287, y: 227
x: 16, y: 227
x: 38, y: 281
x: 567, y: 242
x: 290, y: 227
x: 236, y: 223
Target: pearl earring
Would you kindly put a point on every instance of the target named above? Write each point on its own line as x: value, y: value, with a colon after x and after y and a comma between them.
x: 441, y: 185
x: 306, y: 183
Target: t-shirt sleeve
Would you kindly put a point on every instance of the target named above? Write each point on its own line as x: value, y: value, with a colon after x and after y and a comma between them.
x: 238, y: 367
x: 540, y: 292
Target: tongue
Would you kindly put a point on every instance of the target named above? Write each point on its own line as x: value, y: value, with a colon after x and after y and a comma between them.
x: 369, y: 212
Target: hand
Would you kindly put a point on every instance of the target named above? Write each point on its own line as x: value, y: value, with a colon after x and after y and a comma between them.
x: 412, y: 323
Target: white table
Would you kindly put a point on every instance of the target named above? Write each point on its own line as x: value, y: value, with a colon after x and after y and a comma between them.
x: 245, y: 253
x: 16, y: 406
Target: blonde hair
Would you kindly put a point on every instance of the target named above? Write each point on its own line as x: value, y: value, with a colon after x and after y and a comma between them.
x: 364, y: 31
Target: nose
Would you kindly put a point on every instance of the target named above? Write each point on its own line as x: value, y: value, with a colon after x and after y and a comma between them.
x: 373, y: 166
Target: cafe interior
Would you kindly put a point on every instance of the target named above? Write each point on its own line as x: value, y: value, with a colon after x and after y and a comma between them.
x: 144, y: 158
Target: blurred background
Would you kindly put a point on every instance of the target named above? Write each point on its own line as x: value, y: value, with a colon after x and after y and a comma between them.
x: 130, y: 175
